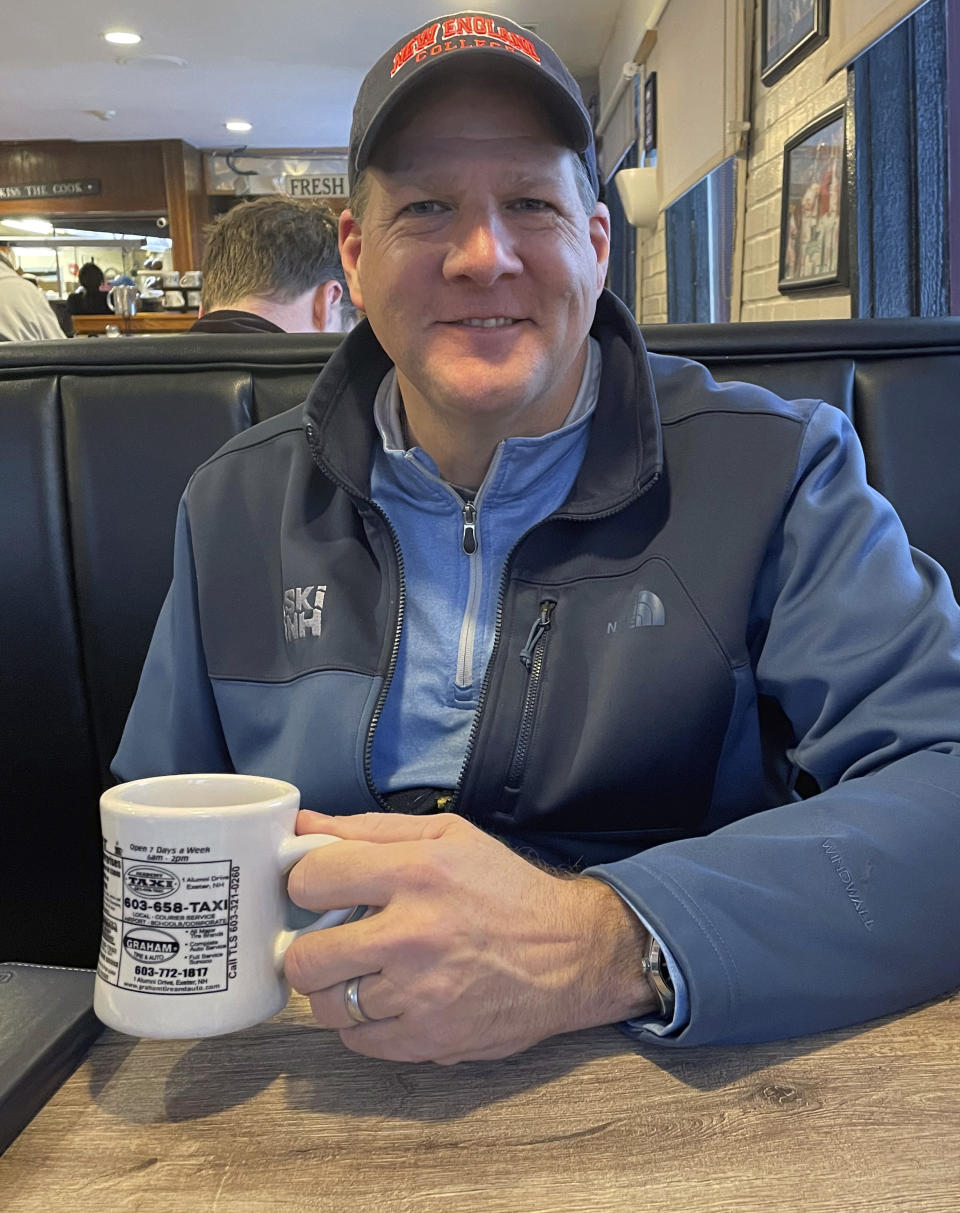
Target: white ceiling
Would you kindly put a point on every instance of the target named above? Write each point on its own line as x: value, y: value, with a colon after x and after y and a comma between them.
x: 291, y: 67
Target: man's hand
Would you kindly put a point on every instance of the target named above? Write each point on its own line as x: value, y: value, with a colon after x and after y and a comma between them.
x: 473, y: 952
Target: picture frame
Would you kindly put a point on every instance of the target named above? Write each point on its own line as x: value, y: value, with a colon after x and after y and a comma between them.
x: 650, y: 113
x: 813, y: 209
x: 791, y: 29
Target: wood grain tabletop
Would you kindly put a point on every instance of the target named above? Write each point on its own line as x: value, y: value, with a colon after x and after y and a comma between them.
x: 283, y: 1117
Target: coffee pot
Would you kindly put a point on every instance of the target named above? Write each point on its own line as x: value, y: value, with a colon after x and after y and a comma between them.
x: 122, y: 300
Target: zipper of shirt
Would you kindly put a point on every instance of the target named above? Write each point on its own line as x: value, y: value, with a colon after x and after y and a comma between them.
x: 533, y: 656
x: 470, y: 544
x: 401, y: 602
x: 453, y: 806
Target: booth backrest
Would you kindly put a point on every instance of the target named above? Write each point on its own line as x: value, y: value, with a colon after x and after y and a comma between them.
x: 97, y: 441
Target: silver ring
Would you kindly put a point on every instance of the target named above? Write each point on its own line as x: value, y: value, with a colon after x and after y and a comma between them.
x: 351, y: 1001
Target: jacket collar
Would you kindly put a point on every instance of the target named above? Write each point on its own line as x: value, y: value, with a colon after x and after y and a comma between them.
x: 623, y: 456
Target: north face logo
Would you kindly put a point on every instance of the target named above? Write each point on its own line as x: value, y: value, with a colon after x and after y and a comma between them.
x: 646, y: 611
x: 302, y: 611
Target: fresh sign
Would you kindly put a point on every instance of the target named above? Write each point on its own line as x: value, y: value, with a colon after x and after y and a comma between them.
x: 327, y: 185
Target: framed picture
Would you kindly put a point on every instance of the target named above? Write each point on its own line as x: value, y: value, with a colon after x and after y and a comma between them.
x: 650, y: 113
x: 791, y: 30
x: 813, y: 221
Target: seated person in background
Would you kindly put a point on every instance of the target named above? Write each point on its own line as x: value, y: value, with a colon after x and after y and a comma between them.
x: 25, y: 314
x: 272, y: 266
x: 90, y: 297
x: 657, y: 711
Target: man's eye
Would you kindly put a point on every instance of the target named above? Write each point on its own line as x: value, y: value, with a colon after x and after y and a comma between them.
x: 531, y: 204
x: 425, y: 207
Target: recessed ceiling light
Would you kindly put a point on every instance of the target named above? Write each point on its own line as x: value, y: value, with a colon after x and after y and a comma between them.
x: 238, y: 124
x: 122, y: 37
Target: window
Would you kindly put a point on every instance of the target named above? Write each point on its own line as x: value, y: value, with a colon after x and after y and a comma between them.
x: 699, y: 230
x: 622, y: 274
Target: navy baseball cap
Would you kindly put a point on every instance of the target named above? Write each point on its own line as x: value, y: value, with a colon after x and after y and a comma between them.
x: 459, y: 39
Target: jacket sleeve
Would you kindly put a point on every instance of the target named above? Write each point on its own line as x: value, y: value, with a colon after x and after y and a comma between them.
x: 173, y: 725
x: 844, y: 906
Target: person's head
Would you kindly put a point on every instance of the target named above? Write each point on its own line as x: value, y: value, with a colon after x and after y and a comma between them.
x: 90, y: 277
x: 474, y: 240
x: 277, y: 257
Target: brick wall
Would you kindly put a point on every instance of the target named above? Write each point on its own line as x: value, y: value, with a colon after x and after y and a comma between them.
x: 652, y: 275
x: 777, y: 114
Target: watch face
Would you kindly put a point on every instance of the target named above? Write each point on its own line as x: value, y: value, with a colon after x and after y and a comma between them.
x: 655, y: 968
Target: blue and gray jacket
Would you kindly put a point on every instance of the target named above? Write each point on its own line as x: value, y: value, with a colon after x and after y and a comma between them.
x: 720, y: 679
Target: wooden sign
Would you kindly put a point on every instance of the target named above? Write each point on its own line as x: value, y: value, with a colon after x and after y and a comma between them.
x: 326, y: 185
x: 50, y: 189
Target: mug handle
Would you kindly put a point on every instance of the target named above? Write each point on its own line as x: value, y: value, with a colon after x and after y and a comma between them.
x: 289, y: 852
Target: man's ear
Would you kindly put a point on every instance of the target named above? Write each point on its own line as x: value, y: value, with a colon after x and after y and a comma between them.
x: 600, y: 239
x: 325, y: 299
x: 350, y: 240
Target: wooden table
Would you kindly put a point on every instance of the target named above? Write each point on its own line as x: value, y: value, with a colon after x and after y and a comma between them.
x: 143, y: 322
x: 282, y: 1117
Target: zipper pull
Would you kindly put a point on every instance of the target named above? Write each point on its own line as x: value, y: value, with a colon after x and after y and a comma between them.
x: 469, y: 527
x: 542, y: 625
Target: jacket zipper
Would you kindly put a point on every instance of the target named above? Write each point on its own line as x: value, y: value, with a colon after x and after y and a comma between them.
x: 533, y: 656
x: 469, y: 540
x: 401, y: 602
x: 454, y: 804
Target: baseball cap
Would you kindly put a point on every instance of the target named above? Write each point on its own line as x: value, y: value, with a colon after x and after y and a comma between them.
x: 459, y: 39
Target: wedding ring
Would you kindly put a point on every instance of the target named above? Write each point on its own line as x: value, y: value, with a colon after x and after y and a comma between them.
x: 351, y: 1001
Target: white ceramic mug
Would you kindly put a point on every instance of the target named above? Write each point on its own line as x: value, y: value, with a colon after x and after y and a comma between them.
x: 196, y: 917
x: 173, y: 300
x: 192, y: 278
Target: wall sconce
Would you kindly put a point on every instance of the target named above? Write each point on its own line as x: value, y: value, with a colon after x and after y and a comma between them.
x: 639, y: 195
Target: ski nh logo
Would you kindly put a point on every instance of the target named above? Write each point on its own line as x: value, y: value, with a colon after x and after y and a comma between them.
x: 302, y: 611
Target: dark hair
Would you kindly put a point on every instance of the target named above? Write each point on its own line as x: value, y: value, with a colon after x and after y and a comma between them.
x: 273, y: 248
x: 90, y: 277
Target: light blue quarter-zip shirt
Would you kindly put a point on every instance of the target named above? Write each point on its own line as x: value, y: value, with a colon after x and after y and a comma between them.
x: 451, y: 600
x: 452, y: 593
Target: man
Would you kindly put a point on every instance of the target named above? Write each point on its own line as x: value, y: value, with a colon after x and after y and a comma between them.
x: 611, y: 615
x: 272, y: 266
x: 25, y: 314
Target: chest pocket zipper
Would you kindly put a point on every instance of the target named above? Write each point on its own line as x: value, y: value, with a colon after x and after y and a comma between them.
x: 533, y: 656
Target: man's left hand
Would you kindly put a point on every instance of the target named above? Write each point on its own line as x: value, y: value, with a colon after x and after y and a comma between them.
x: 472, y: 952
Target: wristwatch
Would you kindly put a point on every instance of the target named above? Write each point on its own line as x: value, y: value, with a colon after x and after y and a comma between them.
x: 655, y: 970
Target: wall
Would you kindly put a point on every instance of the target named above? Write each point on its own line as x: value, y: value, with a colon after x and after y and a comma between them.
x: 775, y: 114
x: 778, y: 113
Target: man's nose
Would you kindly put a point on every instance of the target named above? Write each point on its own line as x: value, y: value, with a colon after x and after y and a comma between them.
x: 482, y: 249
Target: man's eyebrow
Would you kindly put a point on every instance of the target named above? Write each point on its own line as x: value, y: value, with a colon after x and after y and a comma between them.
x: 519, y: 182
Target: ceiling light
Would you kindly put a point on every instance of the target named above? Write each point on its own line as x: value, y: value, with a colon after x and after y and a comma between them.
x: 238, y: 124
x: 122, y: 37
x: 40, y: 226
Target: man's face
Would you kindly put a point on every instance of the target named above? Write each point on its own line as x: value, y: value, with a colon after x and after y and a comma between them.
x: 476, y: 264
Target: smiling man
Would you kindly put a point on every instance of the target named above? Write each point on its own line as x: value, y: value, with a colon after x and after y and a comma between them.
x: 557, y: 634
